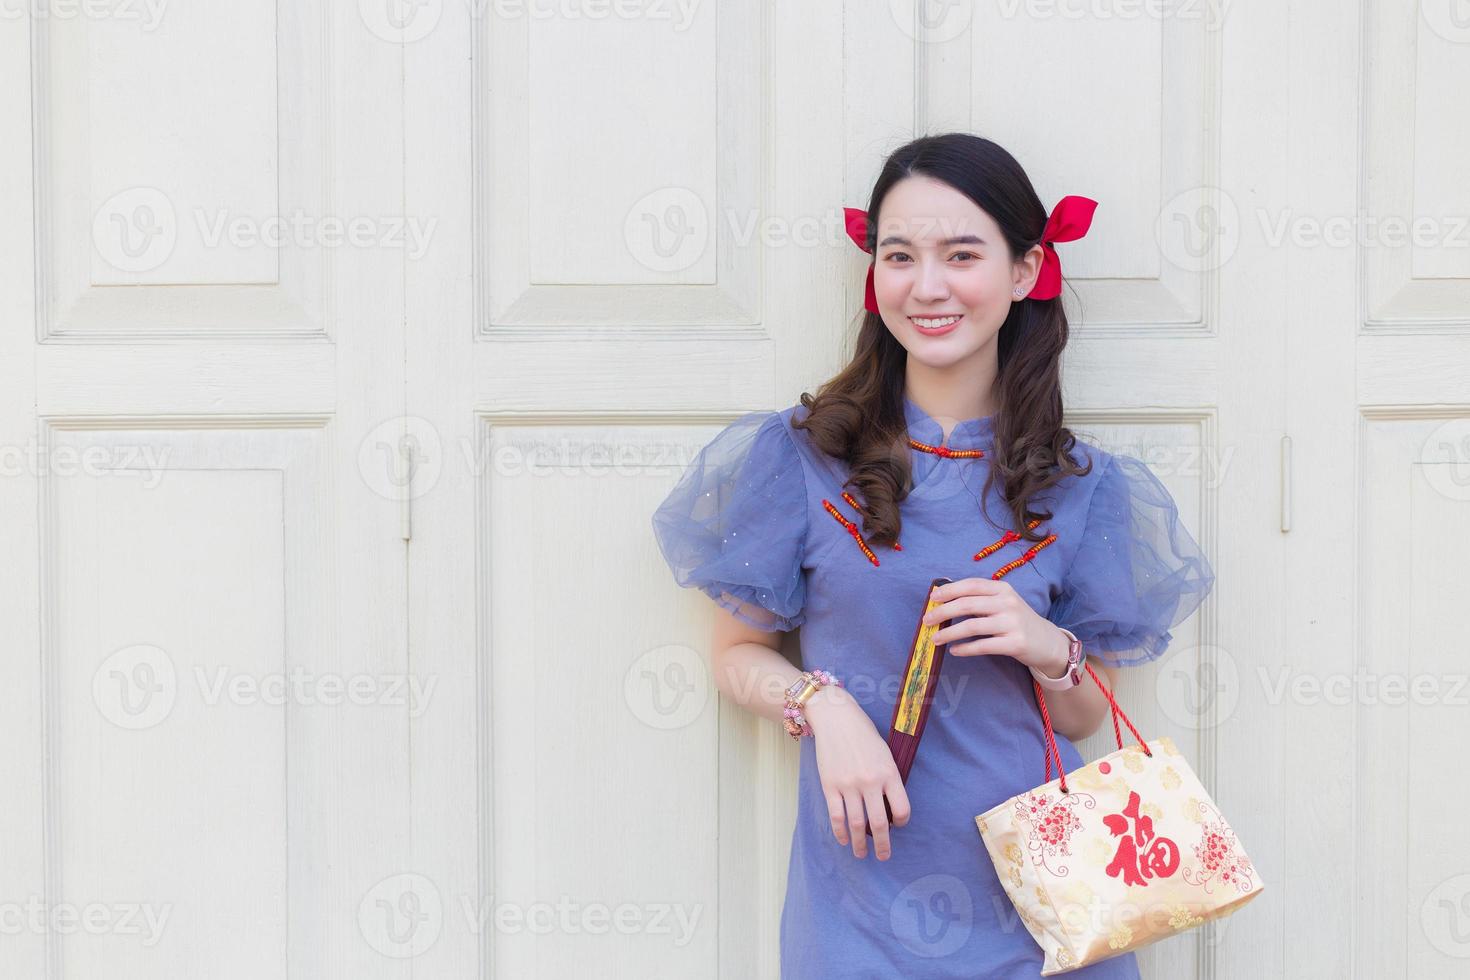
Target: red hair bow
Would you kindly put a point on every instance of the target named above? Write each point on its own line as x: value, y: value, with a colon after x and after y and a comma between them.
x: 857, y: 230
x: 1069, y: 221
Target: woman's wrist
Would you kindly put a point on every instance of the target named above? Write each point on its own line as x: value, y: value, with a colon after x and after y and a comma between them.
x: 823, y: 703
x: 1056, y: 662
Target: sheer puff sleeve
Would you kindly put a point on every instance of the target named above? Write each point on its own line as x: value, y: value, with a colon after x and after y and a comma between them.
x: 735, y: 524
x: 1137, y: 573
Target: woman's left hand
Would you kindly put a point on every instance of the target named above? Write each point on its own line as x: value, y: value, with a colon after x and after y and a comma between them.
x: 1003, y: 622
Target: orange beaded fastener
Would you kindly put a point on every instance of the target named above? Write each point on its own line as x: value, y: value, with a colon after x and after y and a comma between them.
x: 1005, y: 539
x: 851, y: 529
x: 946, y: 452
x: 1011, y: 566
x: 859, y: 508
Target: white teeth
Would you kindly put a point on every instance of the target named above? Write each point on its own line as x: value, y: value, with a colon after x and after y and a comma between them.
x: 934, y: 324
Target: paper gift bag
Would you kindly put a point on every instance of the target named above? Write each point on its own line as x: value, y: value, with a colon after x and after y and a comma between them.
x: 1115, y: 855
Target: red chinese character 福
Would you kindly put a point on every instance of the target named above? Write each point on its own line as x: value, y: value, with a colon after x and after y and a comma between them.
x: 1141, y: 854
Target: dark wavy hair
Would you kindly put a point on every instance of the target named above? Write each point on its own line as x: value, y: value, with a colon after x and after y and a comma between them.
x: 857, y: 416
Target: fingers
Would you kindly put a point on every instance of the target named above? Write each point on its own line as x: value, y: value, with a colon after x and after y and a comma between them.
x: 983, y: 627
x: 873, y: 798
x: 898, y: 800
x: 1001, y: 644
x: 845, y: 811
x: 856, y: 825
x: 975, y: 586
x: 837, y: 817
x: 850, y: 825
x: 975, y: 607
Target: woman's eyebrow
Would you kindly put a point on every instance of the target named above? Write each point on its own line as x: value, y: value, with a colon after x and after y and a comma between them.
x: 958, y: 240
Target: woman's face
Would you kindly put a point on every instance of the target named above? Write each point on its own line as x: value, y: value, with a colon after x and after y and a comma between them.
x: 943, y: 275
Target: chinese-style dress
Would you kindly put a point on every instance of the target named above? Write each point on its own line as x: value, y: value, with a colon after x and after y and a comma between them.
x: 761, y: 522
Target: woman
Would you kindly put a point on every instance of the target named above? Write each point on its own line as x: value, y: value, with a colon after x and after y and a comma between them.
x: 939, y: 451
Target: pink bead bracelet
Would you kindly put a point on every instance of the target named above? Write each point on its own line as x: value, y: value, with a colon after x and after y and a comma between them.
x: 796, y: 695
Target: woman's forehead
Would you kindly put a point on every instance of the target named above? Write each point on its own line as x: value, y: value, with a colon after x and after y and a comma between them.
x: 922, y: 211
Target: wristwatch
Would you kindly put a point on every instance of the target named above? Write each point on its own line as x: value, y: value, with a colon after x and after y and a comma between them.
x: 1073, y: 675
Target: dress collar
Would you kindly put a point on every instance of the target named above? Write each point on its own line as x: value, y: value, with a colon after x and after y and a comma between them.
x: 968, y: 434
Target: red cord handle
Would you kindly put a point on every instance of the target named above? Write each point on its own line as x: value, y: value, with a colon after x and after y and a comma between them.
x: 1051, y: 738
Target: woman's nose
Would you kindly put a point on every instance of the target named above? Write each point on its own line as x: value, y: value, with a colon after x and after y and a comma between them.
x: 930, y: 283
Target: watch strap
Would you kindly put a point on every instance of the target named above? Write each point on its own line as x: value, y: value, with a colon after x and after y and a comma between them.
x: 1073, y: 675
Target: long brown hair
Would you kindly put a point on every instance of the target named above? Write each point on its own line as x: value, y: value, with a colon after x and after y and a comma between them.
x: 857, y: 416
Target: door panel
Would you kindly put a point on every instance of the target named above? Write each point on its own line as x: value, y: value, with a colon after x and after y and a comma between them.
x: 205, y: 584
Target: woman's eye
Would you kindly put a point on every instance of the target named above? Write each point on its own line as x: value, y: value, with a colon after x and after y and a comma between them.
x: 895, y: 256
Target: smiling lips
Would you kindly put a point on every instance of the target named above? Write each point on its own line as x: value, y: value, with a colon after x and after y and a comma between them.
x: 935, y: 326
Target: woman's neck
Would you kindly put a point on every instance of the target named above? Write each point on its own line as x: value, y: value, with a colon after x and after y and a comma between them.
x: 950, y: 395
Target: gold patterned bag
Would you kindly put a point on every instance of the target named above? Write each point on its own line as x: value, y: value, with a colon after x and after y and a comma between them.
x: 1115, y: 855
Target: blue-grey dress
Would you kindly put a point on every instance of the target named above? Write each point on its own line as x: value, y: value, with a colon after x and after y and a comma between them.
x: 752, y: 524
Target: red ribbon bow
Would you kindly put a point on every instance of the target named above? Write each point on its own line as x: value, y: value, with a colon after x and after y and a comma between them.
x: 1069, y: 221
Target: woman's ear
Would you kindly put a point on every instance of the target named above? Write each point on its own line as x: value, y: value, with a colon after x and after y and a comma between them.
x: 1027, y: 268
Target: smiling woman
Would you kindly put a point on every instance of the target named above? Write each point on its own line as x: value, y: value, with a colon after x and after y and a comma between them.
x: 937, y: 452
x: 945, y: 269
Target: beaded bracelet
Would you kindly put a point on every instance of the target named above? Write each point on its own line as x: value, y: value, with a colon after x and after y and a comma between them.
x: 797, y: 695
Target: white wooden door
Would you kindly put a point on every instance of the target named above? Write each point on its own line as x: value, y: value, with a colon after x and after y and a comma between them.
x: 595, y: 306
x: 1368, y: 687
x: 207, y: 737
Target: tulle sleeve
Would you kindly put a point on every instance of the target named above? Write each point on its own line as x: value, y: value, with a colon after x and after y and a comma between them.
x: 1137, y: 572
x: 735, y: 524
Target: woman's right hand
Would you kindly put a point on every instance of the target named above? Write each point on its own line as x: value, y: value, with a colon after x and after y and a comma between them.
x: 856, y: 770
